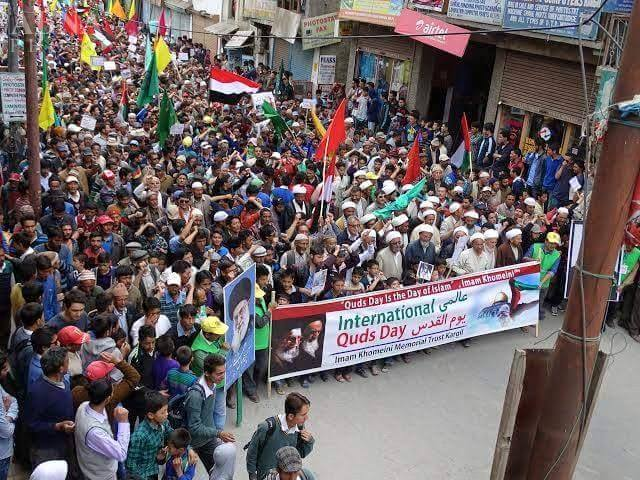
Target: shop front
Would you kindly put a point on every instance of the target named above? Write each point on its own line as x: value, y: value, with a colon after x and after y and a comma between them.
x: 387, y: 62
x: 543, y: 96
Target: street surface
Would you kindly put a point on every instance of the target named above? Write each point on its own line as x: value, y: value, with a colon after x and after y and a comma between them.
x: 438, y: 416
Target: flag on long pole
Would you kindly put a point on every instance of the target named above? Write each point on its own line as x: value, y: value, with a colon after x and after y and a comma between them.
x: 336, y: 134
x: 413, y: 167
x: 47, y: 114
x: 462, y: 157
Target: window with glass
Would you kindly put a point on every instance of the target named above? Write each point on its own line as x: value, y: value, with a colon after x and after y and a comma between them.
x: 387, y: 74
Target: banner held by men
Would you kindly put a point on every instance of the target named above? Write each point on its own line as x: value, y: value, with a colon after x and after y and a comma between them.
x: 308, y: 338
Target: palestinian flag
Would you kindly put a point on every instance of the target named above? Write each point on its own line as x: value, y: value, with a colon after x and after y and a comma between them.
x: 227, y: 87
x: 462, y: 157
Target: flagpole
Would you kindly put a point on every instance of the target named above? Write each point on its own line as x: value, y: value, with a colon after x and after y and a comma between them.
x: 324, y: 171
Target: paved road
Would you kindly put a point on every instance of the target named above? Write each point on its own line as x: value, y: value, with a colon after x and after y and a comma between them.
x: 438, y: 416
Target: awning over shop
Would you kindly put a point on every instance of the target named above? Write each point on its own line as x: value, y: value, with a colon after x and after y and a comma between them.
x: 239, y: 39
x: 177, y: 5
x: 224, y: 28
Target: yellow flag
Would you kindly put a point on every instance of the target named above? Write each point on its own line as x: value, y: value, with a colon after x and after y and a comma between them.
x: 47, y: 116
x: 87, y: 50
x: 163, y: 54
x: 53, y: 6
x: 118, y: 11
x: 132, y: 10
x: 317, y: 123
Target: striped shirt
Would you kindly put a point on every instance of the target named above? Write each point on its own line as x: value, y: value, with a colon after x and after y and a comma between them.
x: 169, y: 307
x: 178, y: 382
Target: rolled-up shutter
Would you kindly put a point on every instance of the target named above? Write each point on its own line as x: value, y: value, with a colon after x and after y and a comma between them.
x: 301, y: 62
x: 547, y: 86
x: 280, y: 53
x: 393, y: 47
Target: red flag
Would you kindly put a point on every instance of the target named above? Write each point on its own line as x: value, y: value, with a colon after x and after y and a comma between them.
x: 335, y: 135
x: 413, y: 167
x: 106, y: 27
x: 131, y: 27
x: 72, y: 23
x: 162, y: 25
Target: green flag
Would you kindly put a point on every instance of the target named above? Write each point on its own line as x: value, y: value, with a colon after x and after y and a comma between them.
x: 270, y: 113
x: 401, y: 202
x: 166, y: 119
x: 278, y: 89
x: 148, y: 53
x: 150, y: 85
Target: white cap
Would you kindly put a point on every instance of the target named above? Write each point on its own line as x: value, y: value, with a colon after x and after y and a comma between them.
x: 299, y: 189
x: 365, y: 184
x: 486, y: 189
x: 197, y: 185
x: 476, y: 236
x: 360, y: 173
x: 295, y: 124
x: 424, y: 228
x: 388, y: 189
x: 220, y: 216
x: 431, y: 211
x: 458, y: 189
x: 399, y: 220
x: 462, y: 229
x: 173, y: 279
x: 563, y: 210
x: 514, y: 232
x: 348, y: 120
x: 300, y: 237
x: 276, y: 155
x: 426, y: 204
x: 407, y: 187
x: 484, y: 175
x: 491, y: 234
x: 260, y: 252
x: 402, y: 151
x: 454, y: 207
x: 443, y: 158
x: 530, y: 201
x: 348, y: 204
x: 70, y: 179
x: 433, y: 199
x: 367, y: 218
x: 472, y: 214
x: 393, y: 235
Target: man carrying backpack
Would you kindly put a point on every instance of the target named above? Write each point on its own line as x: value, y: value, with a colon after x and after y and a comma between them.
x: 277, y: 432
x: 216, y: 448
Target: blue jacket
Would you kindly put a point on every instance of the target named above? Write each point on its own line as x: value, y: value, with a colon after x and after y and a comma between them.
x: 48, y: 404
x: 415, y: 254
x: 49, y: 297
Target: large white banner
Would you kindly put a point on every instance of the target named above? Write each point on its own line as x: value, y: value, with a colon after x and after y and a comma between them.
x: 318, y: 336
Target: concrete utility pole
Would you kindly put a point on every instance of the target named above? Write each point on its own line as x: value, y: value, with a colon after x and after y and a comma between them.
x: 556, y: 448
x: 31, y: 84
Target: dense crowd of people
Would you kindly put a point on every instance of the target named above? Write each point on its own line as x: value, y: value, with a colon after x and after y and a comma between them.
x: 111, y: 290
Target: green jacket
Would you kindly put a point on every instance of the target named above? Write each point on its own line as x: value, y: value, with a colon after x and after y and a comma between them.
x: 263, y: 325
x: 201, y: 348
x: 547, y: 261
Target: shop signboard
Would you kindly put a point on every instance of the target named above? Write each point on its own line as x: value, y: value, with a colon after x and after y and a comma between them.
x: 14, y: 97
x: 552, y: 14
x: 261, y: 9
x: 432, y: 5
x: 379, y: 12
x: 319, y: 31
x: 482, y: 11
x: 414, y: 23
x: 327, y: 69
x: 618, y: 6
